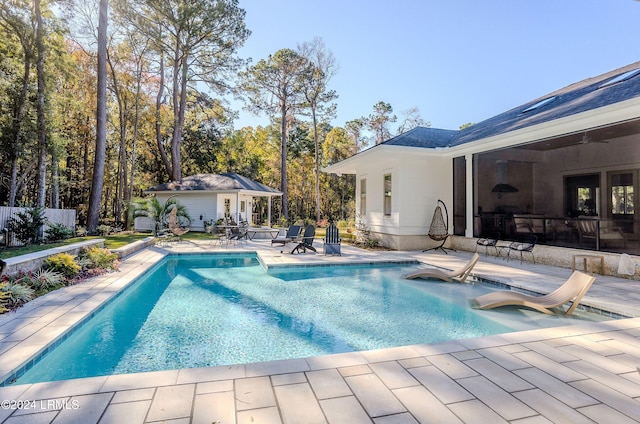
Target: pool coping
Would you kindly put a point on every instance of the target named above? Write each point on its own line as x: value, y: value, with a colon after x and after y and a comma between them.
x: 114, y: 284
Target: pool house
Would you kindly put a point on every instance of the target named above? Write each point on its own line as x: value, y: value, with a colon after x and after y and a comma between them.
x: 564, y: 167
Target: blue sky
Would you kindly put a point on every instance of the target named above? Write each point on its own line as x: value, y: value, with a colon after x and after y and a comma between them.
x: 457, y: 61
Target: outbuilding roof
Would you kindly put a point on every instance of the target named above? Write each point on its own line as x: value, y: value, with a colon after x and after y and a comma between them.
x: 214, y: 182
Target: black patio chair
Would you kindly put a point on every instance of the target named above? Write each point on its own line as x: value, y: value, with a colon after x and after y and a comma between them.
x: 307, y: 240
x: 526, y: 244
x: 293, y: 232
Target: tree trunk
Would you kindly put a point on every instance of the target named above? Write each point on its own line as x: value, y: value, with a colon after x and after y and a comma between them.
x: 317, y: 159
x: 97, y: 181
x: 180, y: 69
x: 163, y: 152
x: 41, y: 129
x: 17, y: 127
x: 283, y: 163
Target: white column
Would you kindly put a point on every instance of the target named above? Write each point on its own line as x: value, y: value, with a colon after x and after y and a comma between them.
x: 238, y: 207
x: 269, y: 211
x: 469, y: 195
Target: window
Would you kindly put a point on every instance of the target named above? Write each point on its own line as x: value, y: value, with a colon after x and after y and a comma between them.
x: 363, y: 197
x: 227, y: 206
x: 539, y: 104
x: 387, y: 195
x: 243, y: 206
x: 622, y: 77
x: 622, y: 199
x: 583, y: 195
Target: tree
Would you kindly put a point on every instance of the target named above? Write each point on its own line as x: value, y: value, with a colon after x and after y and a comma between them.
x: 273, y: 86
x: 199, y: 39
x: 378, y: 122
x: 97, y: 180
x: 41, y: 128
x: 157, y: 212
x: 320, y: 69
x: 412, y: 119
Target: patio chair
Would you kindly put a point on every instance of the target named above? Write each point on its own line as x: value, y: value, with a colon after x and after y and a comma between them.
x: 307, y: 240
x: 293, y: 233
x: 526, y: 244
x: 439, y: 228
x: 332, y: 241
x: 460, y: 274
x: 599, y: 232
x: 573, y: 290
x: 174, y: 225
x: 489, y: 240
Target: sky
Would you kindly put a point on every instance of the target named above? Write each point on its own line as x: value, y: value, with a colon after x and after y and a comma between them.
x: 457, y: 61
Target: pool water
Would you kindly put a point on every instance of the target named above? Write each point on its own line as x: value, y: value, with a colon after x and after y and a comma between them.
x: 208, y: 310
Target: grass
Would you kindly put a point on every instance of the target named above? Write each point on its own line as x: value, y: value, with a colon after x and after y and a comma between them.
x: 112, y: 242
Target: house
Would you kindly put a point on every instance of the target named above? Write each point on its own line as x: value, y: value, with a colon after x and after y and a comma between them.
x: 571, y: 154
x: 209, y: 197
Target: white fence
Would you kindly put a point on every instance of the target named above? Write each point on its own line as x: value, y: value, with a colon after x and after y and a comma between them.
x: 66, y: 217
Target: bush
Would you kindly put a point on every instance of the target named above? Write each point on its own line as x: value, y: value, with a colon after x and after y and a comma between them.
x: 4, y: 298
x: 98, y: 257
x: 104, y: 230
x: 81, y: 231
x: 26, y: 225
x: 17, y: 294
x: 64, y: 264
x: 57, y: 232
x: 46, y: 280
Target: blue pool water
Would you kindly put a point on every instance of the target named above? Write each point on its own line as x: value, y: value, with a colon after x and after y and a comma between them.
x: 208, y: 310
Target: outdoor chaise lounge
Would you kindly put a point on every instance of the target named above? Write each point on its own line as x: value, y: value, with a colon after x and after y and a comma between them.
x: 307, y: 240
x: 293, y: 232
x: 571, y: 291
x: 460, y: 274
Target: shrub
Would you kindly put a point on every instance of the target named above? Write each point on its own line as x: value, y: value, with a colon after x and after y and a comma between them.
x: 98, y: 257
x: 4, y: 298
x: 26, y: 224
x: 63, y: 263
x: 104, y: 230
x: 57, y: 231
x: 17, y: 293
x: 47, y: 279
x: 81, y: 231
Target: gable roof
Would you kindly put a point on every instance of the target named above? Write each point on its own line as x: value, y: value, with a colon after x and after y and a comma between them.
x: 214, y: 182
x: 423, y: 137
x: 591, y: 93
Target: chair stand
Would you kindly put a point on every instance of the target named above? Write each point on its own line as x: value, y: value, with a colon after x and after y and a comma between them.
x: 441, y: 247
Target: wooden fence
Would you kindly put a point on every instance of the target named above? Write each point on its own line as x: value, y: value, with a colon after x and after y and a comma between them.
x: 66, y: 217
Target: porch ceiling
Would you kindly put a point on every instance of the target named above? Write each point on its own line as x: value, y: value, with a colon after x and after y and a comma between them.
x: 595, y: 135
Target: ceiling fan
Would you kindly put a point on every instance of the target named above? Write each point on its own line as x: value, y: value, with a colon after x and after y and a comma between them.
x: 586, y: 139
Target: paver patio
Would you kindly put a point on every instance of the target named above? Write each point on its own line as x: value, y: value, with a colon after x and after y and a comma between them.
x: 583, y: 373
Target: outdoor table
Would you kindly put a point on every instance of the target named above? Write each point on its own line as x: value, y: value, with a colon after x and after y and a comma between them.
x: 253, y: 231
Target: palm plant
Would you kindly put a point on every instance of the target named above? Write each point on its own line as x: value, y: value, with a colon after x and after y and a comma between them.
x: 157, y: 212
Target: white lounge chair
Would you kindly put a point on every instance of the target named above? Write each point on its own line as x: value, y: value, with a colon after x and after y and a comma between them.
x: 571, y: 291
x: 460, y: 274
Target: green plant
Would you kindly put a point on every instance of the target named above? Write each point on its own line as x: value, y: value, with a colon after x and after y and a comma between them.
x: 363, y: 234
x: 4, y: 298
x: 104, y: 230
x: 57, y: 231
x: 98, y: 257
x: 81, y: 231
x: 157, y: 212
x: 63, y: 263
x: 26, y: 224
x: 17, y: 293
x: 47, y: 279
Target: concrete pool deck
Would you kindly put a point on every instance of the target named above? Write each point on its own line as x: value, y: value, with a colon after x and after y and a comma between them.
x: 587, y: 372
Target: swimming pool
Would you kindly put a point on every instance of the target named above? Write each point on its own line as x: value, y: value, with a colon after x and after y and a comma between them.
x: 207, y: 310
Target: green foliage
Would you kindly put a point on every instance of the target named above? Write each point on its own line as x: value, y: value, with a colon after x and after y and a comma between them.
x: 17, y: 293
x: 63, y: 263
x: 4, y: 298
x: 26, y: 224
x: 157, y: 212
x: 363, y: 234
x: 57, y: 231
x: 98, y: 257
x: 104, y: 230
x: 47, y: 279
